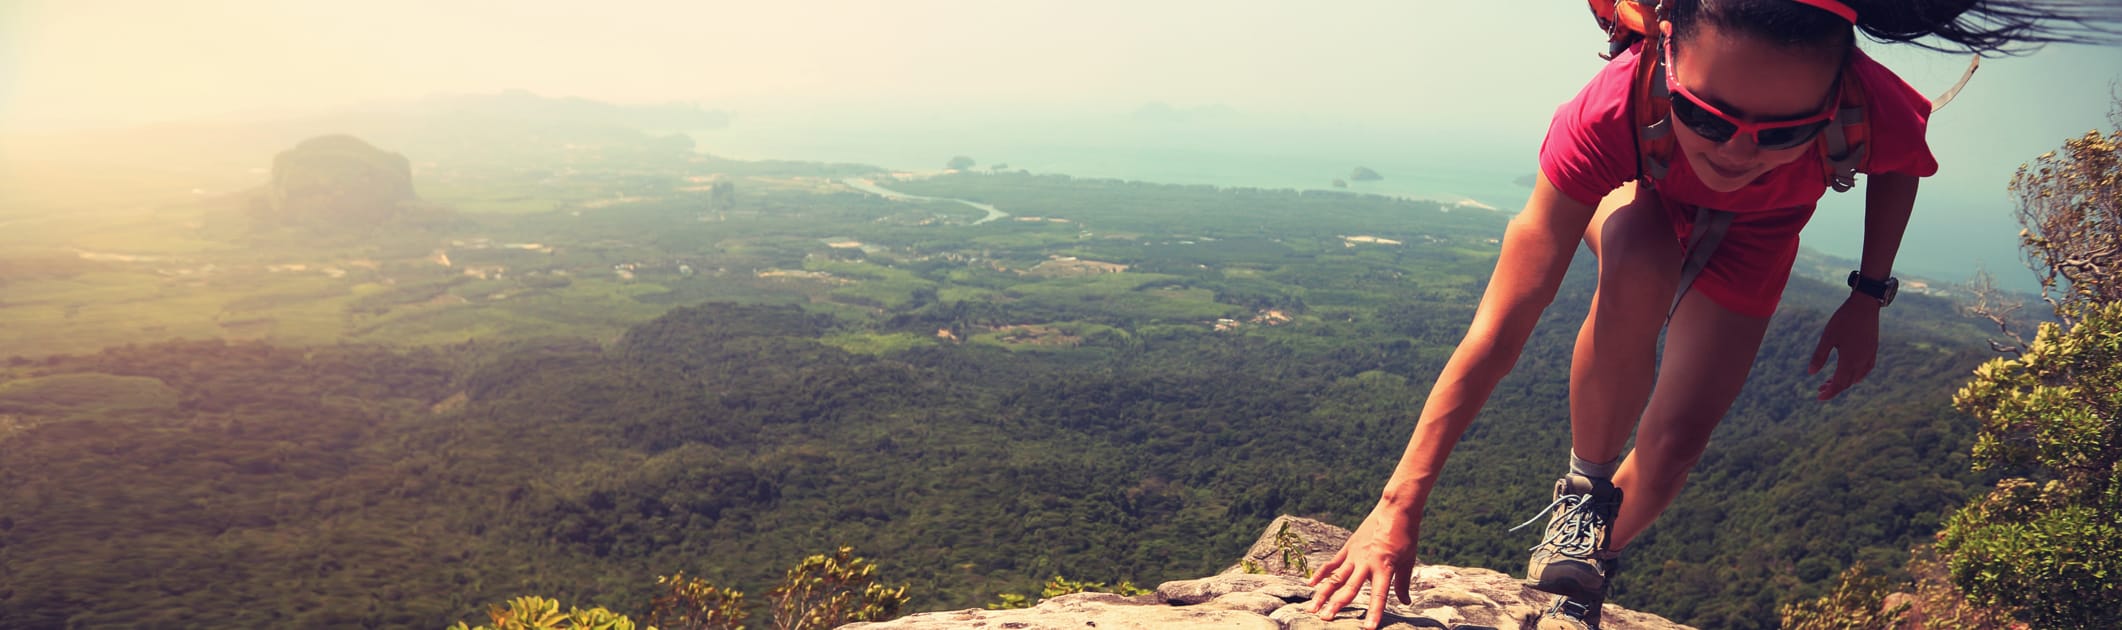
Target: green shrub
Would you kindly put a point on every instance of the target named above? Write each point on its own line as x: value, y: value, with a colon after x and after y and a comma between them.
x: 1857, y: 603
x: 830, y: 591
x: 819, y: 592
x: 2047, y: 543
x: 694, y: 604
x: 538, y: 613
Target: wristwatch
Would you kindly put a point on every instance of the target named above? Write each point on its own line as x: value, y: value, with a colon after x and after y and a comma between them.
x: 1881, y: 290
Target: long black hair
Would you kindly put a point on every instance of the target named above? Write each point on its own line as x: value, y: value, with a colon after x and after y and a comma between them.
x: 1980, y: 26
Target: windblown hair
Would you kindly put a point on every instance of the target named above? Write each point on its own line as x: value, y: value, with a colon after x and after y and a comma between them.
x: 1986, y: 27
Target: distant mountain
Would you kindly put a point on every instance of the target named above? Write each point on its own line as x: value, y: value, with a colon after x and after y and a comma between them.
x: 338, y: 180
x: 500, y: 129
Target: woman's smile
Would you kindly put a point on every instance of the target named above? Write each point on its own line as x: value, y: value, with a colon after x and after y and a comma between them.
x: 1723, y: 171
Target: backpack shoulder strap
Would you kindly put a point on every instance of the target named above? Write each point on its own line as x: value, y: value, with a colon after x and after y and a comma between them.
x: 1650, y: 112
x: 1845, y: 141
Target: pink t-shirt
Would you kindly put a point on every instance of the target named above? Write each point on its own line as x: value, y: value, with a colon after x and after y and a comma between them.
x: 1590, y: 148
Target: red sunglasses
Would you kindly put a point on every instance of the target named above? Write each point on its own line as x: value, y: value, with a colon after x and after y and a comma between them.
x: 1716, y: 126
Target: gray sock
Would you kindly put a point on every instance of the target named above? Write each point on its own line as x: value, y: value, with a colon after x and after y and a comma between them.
x: 1595, y: 470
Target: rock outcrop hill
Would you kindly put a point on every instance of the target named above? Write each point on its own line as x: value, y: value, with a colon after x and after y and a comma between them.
x: 338, y: 181
x: 1262, y: 591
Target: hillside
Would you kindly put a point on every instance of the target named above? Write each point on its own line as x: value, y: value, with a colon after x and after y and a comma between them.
x: 344, y: 484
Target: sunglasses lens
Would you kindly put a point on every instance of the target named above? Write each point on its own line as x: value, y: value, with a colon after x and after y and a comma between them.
x: 1701, y: 121
x: 1787, y: 137
x: 1716, y: 129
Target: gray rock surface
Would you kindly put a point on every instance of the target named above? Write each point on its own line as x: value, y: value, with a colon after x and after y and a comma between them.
x: 1278, y: 598
x: 1188, y: 592
x: 1253, y: 602
x: 1317, y: 541
x: 1103, y: 611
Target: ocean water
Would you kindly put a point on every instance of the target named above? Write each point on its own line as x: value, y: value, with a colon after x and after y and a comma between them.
x: 1219, y: 150
x: 1959, y: 226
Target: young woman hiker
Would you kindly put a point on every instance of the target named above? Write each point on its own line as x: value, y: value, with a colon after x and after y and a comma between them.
x: 1748, y: 111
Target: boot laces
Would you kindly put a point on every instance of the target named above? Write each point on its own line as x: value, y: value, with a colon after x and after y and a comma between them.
x: 1577, y: 534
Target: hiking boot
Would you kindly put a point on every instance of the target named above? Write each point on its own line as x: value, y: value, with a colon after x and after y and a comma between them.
x: 1573, y: 613
x: 1572, y: 560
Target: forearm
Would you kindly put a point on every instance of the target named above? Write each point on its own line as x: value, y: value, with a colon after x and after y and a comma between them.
x: 1468, y: 379
x: 1537, y: 248
x: 1889, y: 199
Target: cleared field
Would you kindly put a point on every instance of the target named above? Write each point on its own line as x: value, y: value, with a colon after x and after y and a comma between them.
x: 87, y: 395
x: 876, y: 344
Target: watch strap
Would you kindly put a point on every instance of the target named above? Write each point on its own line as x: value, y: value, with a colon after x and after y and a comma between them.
x: 1881, y: 290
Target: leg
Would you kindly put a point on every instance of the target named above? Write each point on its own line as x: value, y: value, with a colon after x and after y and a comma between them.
x: 1611, y: 374
x: 1709, y: 350
x: 1610, y: 379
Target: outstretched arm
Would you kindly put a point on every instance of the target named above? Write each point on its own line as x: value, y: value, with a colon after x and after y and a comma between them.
x: 1852, y: 334
x: 1537, y: 247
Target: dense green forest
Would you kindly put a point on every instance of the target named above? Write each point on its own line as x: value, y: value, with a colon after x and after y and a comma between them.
x: 324, y: 485
x: 1118, y: 381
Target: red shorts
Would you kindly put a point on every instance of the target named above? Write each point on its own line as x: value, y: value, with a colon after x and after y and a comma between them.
x: 1747, y: 272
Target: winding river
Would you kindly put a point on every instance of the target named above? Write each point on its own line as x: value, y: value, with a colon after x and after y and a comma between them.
x: 871, y: 187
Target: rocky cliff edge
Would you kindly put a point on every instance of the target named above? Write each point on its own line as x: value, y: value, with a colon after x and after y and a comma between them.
x: 1266, y: 590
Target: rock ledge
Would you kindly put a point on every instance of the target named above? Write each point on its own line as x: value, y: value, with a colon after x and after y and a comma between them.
x: 1263, y: 592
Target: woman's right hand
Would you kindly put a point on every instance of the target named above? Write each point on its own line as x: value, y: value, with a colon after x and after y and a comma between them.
x: 1381, y: 553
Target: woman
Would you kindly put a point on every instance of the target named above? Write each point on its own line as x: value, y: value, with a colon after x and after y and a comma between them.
x: 1753, y: 86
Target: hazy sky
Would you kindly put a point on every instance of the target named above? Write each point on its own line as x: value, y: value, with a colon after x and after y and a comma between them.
x: 1496, y: 63
x: 94, y: 62
x: 1484, y: 69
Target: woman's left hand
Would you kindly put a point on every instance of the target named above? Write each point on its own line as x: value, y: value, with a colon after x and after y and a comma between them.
x: 1853, y: 335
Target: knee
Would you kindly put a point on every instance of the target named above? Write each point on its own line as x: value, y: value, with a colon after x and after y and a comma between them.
x: 1638, y: 257
x: 1668, y: 457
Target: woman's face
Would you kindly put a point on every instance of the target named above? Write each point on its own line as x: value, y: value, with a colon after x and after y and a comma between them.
x: 1754, y: 81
